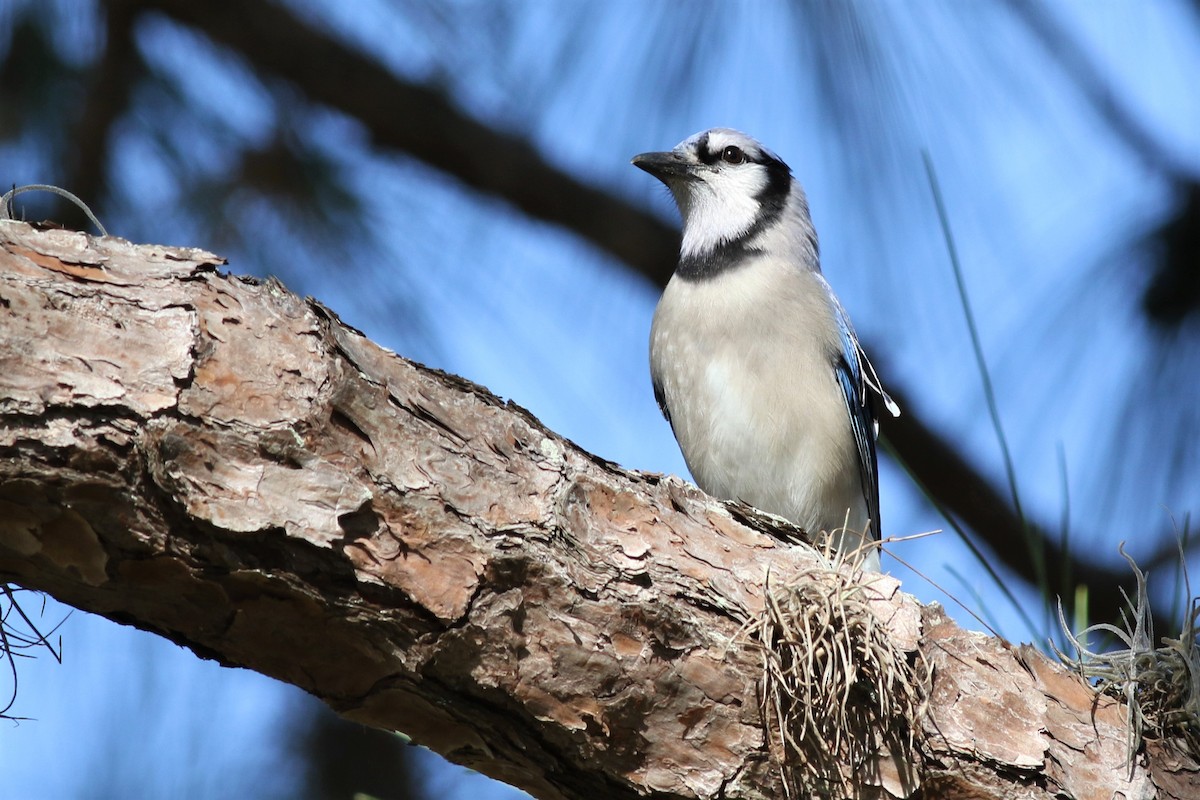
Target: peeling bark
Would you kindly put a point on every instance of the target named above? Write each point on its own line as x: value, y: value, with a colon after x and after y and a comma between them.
x: 218, y: 461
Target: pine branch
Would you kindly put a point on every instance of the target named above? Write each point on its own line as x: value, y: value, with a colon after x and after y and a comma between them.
x: 218, y: 461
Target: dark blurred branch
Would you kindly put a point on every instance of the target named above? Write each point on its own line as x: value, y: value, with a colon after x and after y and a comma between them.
x: 423, y: 123
x: 341, y: 758
x: 961, y: 491
x: 1173, y: 293
x: 107, y: 97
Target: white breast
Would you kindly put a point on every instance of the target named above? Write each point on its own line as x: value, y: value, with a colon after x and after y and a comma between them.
x: 744, y: 361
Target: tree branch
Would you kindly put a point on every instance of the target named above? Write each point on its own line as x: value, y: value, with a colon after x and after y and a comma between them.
x: 215, y: 460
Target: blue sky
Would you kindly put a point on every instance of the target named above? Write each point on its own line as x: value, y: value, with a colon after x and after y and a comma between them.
x: 1046, y: 206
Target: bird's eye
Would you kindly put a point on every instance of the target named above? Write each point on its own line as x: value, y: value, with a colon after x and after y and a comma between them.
x: 733, y: 155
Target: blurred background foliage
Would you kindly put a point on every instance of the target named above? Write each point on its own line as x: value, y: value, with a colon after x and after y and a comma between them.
x: 453, y: 178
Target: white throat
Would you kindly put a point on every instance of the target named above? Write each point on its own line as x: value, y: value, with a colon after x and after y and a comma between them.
x: 718, y: 210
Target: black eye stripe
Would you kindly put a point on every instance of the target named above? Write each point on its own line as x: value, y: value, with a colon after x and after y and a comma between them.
x: 709, y: 154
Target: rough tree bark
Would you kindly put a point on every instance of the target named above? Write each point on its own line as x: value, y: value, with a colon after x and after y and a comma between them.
x: 213, y: 459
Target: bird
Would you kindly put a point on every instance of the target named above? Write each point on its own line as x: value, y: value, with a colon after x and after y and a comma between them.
x: 753, y: 360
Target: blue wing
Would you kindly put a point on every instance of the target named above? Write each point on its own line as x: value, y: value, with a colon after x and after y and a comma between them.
x: 861, y: 392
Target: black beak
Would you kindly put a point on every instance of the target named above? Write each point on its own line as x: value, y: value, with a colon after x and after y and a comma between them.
x: 665, y: 166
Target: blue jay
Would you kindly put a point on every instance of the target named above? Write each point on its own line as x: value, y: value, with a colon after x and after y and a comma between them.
x: 753, y: 359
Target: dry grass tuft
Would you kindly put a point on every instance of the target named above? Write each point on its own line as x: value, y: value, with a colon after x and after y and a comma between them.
x: 837, y: 696
x: 1160, y: 685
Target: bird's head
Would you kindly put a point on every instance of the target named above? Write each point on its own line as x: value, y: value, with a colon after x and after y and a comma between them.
x: 730, y: 191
